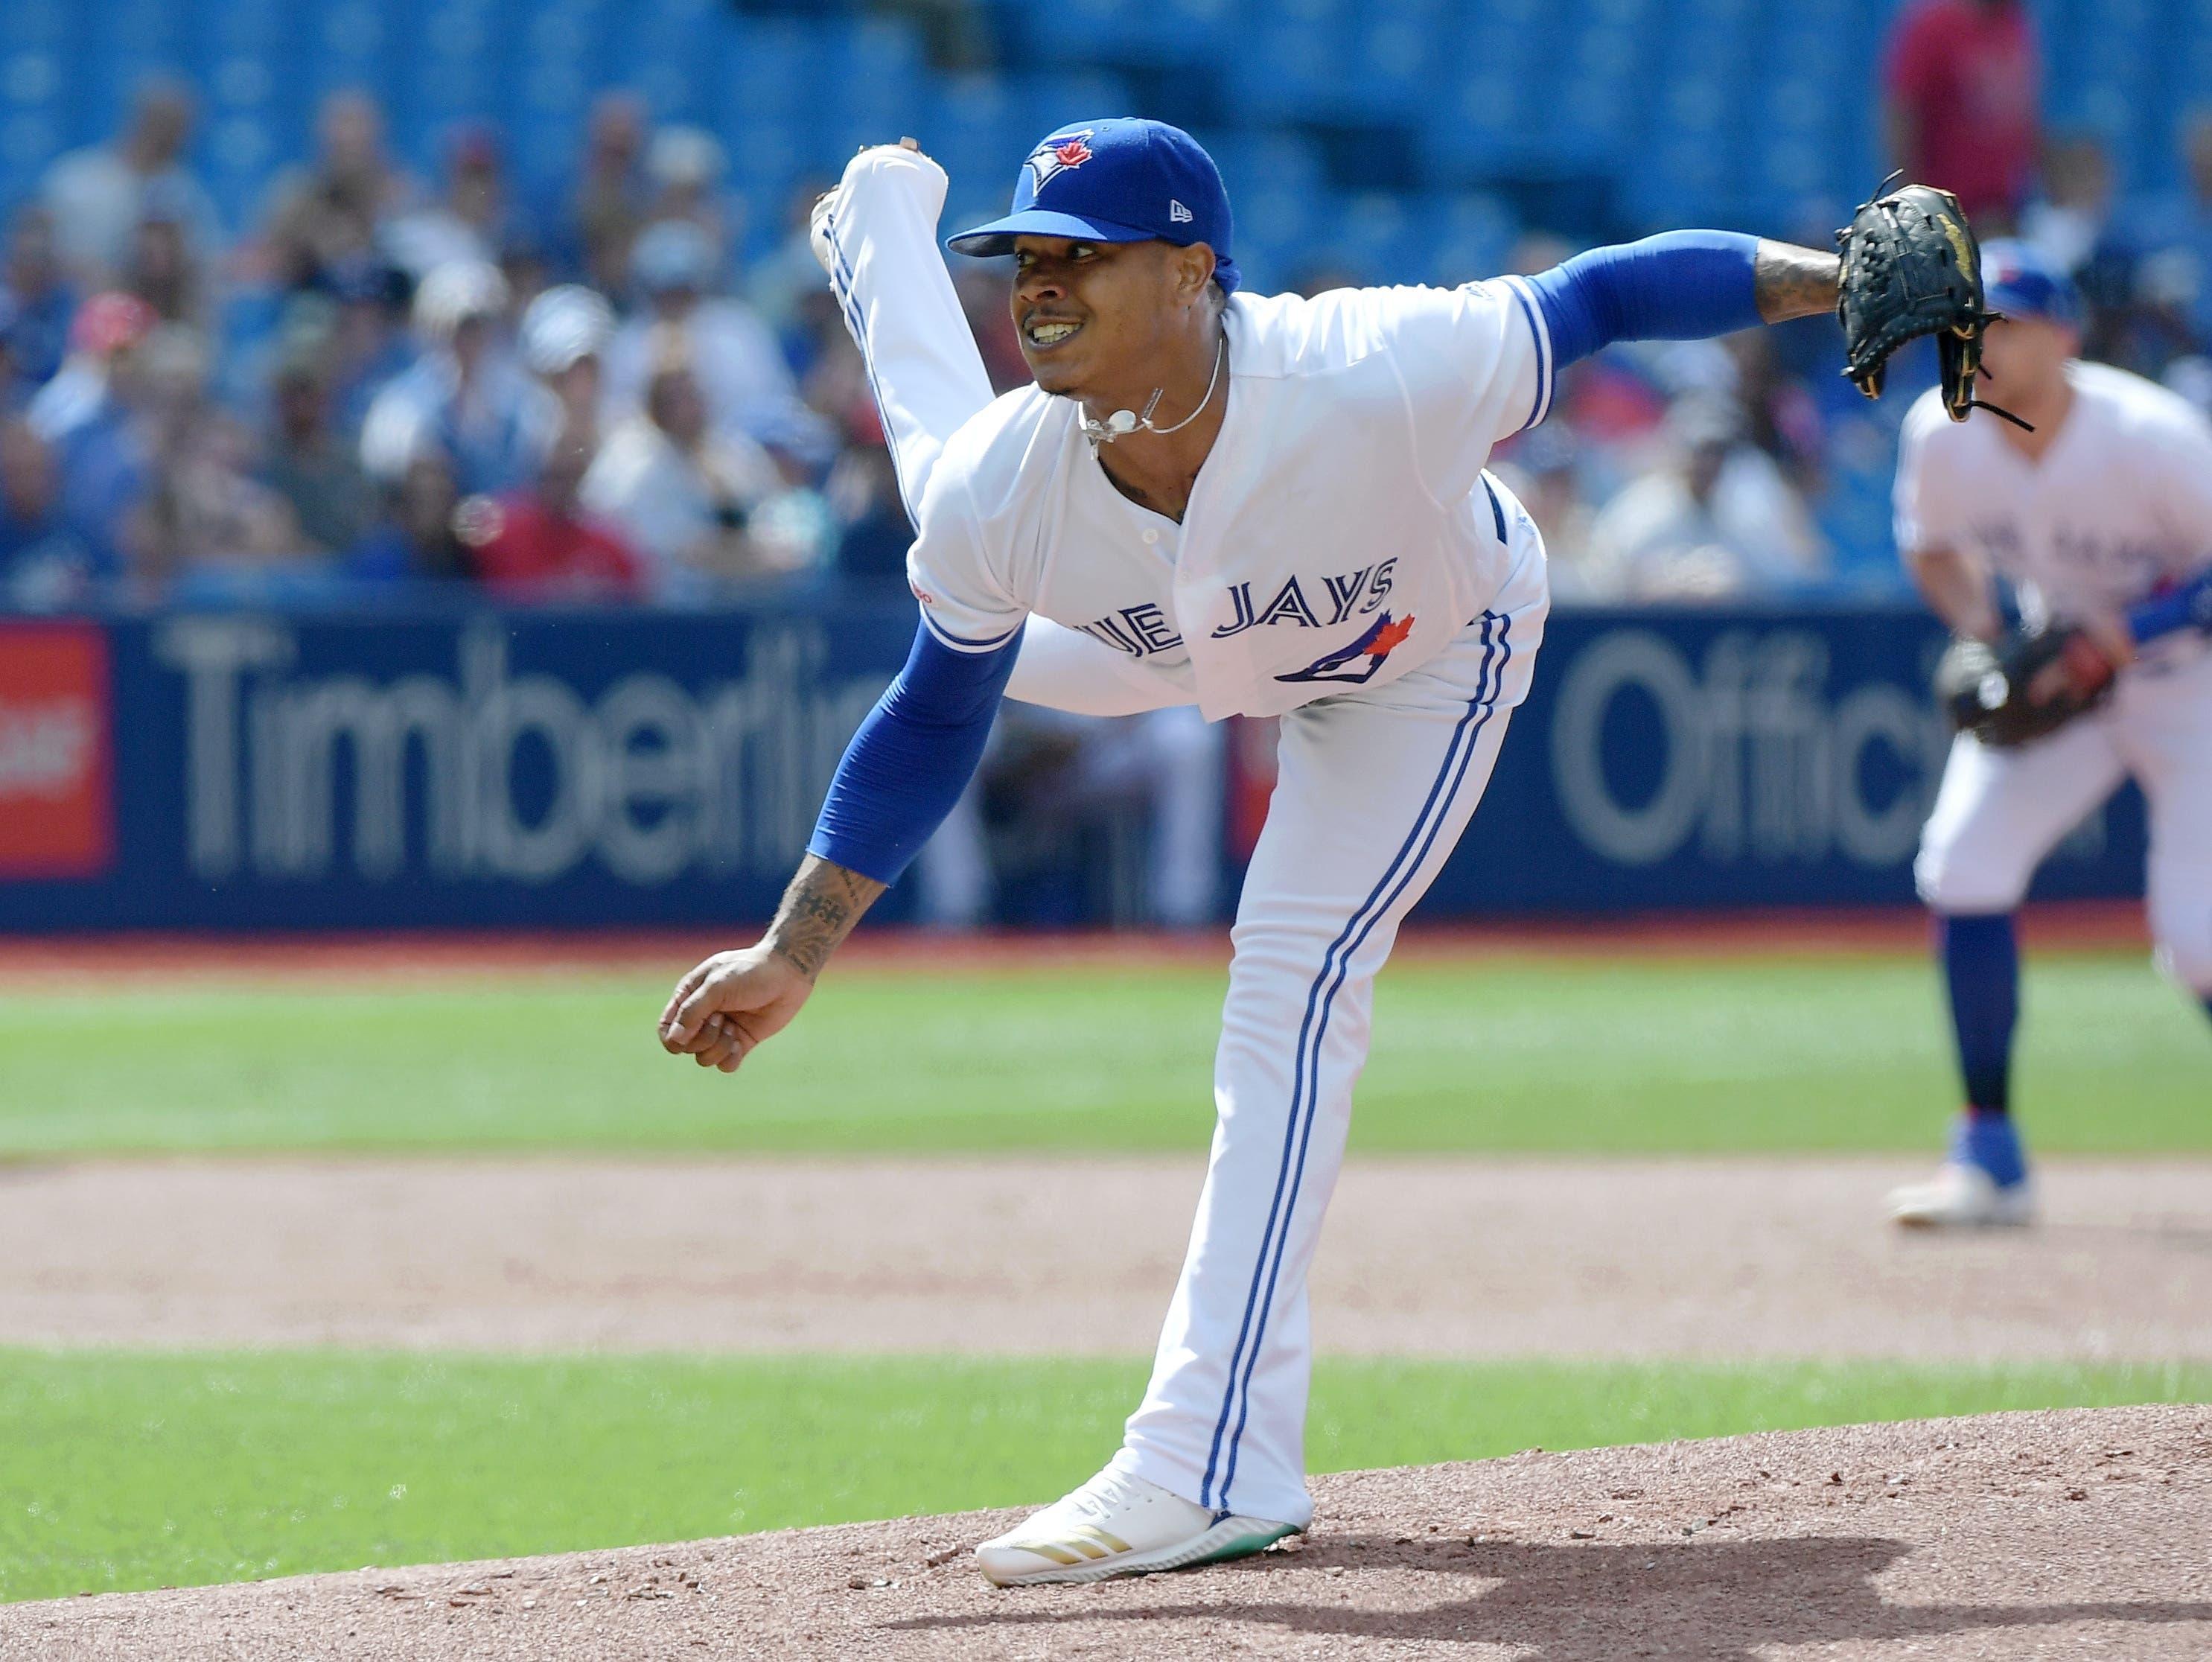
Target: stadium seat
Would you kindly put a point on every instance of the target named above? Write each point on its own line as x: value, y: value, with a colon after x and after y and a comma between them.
x: 1471, y: 235
x: 1288, y: 70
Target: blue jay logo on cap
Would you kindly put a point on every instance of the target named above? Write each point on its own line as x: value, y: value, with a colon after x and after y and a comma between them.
x: 1057, y: 155
x: 1142, y: 180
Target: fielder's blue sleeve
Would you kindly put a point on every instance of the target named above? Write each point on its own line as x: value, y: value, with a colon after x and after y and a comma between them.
x: 1683, y: 285
x: 912, y: 757
x: 2189, y: 606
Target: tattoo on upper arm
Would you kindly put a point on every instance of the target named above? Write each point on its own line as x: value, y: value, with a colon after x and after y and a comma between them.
x: 1789, y: 282
x: 819, y: 910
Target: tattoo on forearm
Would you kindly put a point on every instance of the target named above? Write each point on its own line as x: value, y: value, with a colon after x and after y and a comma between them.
x: 819, y: 910
x: 1789, y: 282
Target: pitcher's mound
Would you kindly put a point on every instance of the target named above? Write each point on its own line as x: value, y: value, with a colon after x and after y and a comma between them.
x: 2061, y: 1535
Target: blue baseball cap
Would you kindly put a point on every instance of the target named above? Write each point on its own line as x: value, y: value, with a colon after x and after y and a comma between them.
x: 1119, y: 179
x: 2020, y: 281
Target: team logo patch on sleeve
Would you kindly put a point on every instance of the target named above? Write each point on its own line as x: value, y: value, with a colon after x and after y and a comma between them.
x: 1359, y: 661
x: 1057, y: 155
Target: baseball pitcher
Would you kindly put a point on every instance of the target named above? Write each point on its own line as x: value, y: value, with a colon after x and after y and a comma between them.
x: 1255, y: 504
x: 2100, y: 518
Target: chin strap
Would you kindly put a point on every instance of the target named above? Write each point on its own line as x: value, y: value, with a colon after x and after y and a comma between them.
x: 1973, y: 403
x: 1984, y: 404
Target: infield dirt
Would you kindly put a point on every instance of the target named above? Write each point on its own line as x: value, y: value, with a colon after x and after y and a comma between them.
x: 1726, y: 1258
x: 2054, y: 1535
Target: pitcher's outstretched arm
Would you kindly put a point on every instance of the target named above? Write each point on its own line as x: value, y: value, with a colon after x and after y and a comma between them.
x: 876, y: 234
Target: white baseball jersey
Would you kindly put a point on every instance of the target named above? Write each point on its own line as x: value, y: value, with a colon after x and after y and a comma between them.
x: 1342, y: 540
x: 1341, y: 533
x: 2119, y: 506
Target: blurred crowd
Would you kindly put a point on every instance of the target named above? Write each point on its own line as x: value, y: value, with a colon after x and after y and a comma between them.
x: 1746, y: 467
x: 390, y: 379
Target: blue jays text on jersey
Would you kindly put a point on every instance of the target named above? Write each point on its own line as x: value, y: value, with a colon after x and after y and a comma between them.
x: 1142, y: 630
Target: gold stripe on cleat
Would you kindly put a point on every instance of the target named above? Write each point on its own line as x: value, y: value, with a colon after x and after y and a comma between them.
x: 1046, y: 1549
x: 1079, y: 1533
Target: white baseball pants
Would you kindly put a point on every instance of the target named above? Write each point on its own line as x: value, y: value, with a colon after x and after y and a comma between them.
x: 2000, y: 812
x: 1373, y: 791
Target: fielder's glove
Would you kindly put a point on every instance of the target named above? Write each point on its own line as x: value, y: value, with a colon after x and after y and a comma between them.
x: 1992, y: 691
x: 1911, y: 267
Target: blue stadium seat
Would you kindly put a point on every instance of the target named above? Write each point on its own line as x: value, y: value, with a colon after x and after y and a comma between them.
x: 1388, y: 61
x: 1253, y: 162
x: 1190, y: 30
x: 976, y: 129
x: 34, y: 25
x: 1112, y: 32
x: 1046, y: 100
x: 1276, y: 226
x: 1383, y: 237
x: 1071, y: 31
x: 345, y: 46
x: 862, y: 55
x: 771, y: 70
x: 671, y: 52
x: 1693, y: 106
x: 1287, y: 69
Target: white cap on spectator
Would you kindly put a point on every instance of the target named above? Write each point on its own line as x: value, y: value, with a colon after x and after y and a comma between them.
x: 178, y: 355
x: 1700, y: 420
x: 674, y: 253
x: 685, y: 156
x: 456, y: 291
x: 565, y: 323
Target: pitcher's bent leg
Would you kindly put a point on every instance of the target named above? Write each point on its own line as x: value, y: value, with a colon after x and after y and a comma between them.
x: 1373, y: 791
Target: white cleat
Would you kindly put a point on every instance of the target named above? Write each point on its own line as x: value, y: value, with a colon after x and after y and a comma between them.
x: 1962, y: 1197
x: 1118, y: 1524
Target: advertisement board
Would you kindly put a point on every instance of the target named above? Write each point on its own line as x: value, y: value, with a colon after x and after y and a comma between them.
x: 56, y: 807
x: 476, y: 769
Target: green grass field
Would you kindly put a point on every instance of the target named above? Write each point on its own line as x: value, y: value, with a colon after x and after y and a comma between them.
x: 123, y: 1470
x: 127, y: 1472
x: 1524, y: 1053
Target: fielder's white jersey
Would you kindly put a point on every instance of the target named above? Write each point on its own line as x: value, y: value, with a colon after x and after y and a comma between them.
x: 2118, y: 507
x: 1341, y: 532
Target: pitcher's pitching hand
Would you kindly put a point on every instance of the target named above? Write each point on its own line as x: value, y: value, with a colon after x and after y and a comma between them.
x: 731, y: 1002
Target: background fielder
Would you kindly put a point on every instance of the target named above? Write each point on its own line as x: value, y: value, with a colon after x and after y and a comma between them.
x: 2100, y: 518
x: 1342, y: 560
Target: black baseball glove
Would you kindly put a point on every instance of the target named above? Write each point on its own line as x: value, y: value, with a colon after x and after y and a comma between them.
x: 1911, y: 267
x: 2024, y: 687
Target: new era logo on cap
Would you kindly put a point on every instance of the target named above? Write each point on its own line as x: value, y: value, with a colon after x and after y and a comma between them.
x: 1177, y: 214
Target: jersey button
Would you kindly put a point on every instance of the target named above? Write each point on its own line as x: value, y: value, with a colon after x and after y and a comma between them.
x: 1151, y: 535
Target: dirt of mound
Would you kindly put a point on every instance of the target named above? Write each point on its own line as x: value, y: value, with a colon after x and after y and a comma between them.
x: 2056, y: 1535
x: 1725, y: 1257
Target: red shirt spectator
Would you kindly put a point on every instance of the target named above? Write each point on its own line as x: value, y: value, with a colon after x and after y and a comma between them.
x: 541, y: 546
x: 1962, y: 78
x: 531, y: 553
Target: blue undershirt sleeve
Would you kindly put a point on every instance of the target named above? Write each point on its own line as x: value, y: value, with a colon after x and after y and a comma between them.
x: 2189, y: 606
x: 1682, y: 285
x: 911, y: 758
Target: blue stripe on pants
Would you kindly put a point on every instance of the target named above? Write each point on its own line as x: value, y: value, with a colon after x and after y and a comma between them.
x: 1312, y: 1034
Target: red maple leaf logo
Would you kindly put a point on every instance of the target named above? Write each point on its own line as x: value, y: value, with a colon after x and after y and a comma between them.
x: 1388, y: 638
x: 1073, y: 154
